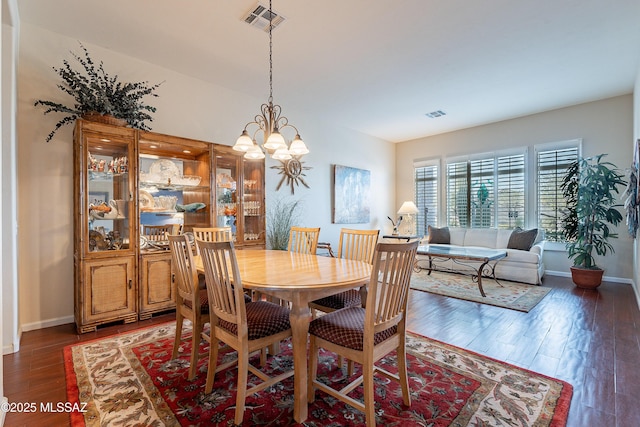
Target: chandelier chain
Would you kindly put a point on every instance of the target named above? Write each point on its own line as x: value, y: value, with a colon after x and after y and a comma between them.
x: 270, y: 54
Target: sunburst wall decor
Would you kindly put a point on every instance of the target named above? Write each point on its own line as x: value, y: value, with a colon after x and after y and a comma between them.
x: 292, y: 172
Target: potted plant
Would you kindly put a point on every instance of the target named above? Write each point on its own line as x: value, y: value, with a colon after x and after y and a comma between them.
x: 281, y: 215
x: 590, y: 188
x: 100, y: 97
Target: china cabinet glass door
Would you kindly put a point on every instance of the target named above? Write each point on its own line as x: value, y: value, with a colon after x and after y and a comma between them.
x: 227, y: 169
x: 108, y: 196
x: 253, y: 202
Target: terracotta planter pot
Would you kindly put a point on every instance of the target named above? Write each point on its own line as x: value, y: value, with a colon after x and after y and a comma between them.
x: 586, y: 278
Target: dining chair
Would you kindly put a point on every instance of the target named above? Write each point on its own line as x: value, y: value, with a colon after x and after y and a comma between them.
x: 245, y: 327
x: 367, y: 334
x: 157, y: 233
x: 303, y: 240
x: 356, y: 245
x: 212, y: 234
x: 191, y: 301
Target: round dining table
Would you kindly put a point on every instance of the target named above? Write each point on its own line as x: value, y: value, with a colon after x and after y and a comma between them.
x: 300, y: 279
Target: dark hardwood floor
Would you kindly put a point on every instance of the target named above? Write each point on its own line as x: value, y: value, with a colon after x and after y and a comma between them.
x: 587, y: 338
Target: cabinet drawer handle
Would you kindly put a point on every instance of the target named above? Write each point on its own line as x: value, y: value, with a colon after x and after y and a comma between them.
x: 130, y: 284
x: 173, y: 278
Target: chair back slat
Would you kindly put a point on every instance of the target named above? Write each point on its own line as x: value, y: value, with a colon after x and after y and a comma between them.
x: 358, y: 245
x: 303, y: 240
x: 158, y: 233
x: 186, y: 275
x: 389, y: 284
x: 224, y: 286
x: 212, y: 234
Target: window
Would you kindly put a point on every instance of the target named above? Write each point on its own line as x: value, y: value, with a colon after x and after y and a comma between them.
x: 511, y: 191
x: 426, y: 195
x: 487, y: 191
x: 496, y: 189
x: 552, y: 163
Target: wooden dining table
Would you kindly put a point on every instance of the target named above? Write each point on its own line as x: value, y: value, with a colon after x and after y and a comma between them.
x: 300, y: 279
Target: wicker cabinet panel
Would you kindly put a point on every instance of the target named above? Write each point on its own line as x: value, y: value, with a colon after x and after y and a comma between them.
x: 109, y: 290
x: 156, y: 287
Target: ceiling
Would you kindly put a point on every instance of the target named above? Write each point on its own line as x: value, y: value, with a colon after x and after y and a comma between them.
x: 378, y: 66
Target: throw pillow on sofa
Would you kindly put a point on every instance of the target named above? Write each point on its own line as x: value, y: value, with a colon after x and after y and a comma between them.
x: 522, y: 239
x: 439, y: 235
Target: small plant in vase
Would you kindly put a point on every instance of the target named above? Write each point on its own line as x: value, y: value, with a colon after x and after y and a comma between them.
x: 590, y: 188
x: 99, y: 96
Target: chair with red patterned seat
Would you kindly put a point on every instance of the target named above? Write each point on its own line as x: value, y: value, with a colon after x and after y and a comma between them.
x: 191, y: 301
x: 367, y: 334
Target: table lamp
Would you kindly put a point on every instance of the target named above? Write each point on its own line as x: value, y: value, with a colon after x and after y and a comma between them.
x: 407, y: 220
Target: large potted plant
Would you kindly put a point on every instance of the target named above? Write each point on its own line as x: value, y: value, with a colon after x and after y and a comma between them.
x: 99, y: 96
x: 590, y: 188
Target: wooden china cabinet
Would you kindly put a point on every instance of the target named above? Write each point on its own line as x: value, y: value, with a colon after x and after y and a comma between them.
x: 105, y: 228
x: 130, y: 184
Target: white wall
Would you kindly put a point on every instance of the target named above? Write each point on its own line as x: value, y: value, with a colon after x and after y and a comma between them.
x: 605, y: 126
x: 186, y: 107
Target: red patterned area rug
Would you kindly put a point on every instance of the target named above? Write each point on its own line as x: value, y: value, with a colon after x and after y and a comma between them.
x: 130, y: 380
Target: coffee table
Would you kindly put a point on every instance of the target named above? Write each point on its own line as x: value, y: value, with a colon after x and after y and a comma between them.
x: 488, y: 259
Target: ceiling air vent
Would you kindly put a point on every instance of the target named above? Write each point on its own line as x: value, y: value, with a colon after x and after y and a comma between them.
x: 437, y: 113
x: 259, y: 17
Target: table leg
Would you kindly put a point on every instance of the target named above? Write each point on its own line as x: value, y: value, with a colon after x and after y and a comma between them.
x: 480, y: 277
x: 430, y: 265
x: 300, y: 317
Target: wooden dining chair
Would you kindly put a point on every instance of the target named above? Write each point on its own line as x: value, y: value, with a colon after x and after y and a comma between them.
x: 157, y: 233
x: 191, y: 301
x: 303, y: 240
x: 213, y: 234
x: 357, y: 245
x: 365, y: 335
x: 245, y: 327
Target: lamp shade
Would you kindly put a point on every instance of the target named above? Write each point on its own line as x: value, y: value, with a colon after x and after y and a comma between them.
x: 254, y: 153
x: 244, y: 142
x: 298, y: 147
x: 275, y: 141
x: 408, y: 208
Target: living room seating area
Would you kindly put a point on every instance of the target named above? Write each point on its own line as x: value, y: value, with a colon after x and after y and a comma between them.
x: 524, y: 249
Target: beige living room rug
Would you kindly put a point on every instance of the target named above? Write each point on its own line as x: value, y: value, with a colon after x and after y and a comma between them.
x: 516, y: 296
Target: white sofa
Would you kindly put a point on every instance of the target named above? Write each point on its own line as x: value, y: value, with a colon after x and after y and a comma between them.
x: 519, y: 265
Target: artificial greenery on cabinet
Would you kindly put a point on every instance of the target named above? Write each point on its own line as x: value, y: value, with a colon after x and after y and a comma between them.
x: 98, y: 93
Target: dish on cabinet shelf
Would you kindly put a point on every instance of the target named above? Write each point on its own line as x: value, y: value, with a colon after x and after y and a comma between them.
x: 164, y: 169
x: 145, y: 200
x: 97, y: 214
x: 224, y: 180
x: 186, y: 180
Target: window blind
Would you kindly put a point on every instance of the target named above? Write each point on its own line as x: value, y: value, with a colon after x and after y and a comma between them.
x: 426, y: 197
x: 552, y: 164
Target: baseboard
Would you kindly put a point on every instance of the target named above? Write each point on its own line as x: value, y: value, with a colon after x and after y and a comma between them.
x: 604, y: 278
x: 47, y: 323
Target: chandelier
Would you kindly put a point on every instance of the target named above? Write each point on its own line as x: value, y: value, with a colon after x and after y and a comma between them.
x: 271, y: 122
